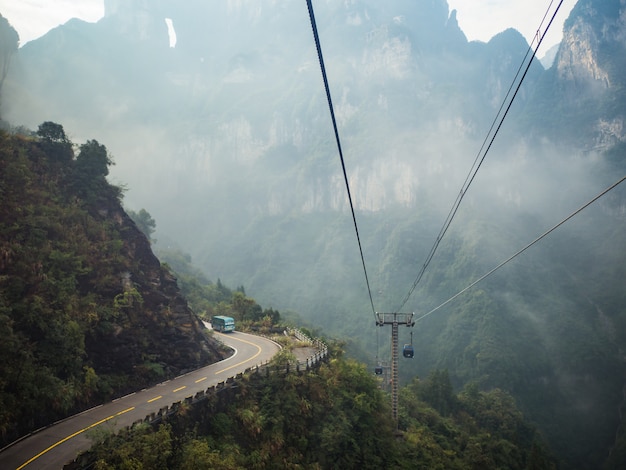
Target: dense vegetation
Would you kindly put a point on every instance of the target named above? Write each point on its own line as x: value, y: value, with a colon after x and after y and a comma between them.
x: 52, y: 254
x: 65, y: 247
x: 86, y: 312
x: 61, y: 297
x: 207, y: 298
x: 547, y: 328
x: 332, y: 417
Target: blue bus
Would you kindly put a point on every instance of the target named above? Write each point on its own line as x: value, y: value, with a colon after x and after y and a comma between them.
x: 222, y: 323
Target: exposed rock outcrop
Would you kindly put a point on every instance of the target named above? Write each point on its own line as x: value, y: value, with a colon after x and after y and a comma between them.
x: 577, y: 61
x: 579, y: 99
x: 160, y: 329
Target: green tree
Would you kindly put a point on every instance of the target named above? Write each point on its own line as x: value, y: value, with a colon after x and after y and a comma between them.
x: 144, y: 222
x: 245, y: 308
x: 437, y: 391
x: 52, y: 132
x: 55, y: 142
x: 198, y: 454
x: 90, y: 171
x: 93, y: 161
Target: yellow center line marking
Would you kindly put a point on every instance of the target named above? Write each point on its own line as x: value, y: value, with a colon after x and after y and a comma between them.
x: 73, y: 435
x: 179, y: 388
x: 200, y: 380
x: 242, y: 362
x: 155, y: 398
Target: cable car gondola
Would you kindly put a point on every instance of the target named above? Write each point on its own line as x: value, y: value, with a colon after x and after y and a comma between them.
x: 378, y: 370
x: 408, y: 350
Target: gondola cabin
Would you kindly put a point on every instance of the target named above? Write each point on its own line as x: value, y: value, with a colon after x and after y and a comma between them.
x: 378, y: 370
x: 408, y: 351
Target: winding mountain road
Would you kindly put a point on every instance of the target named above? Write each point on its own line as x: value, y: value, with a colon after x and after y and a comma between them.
x: 54, y: 446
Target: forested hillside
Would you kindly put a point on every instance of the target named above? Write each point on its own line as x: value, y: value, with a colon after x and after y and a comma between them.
x: 87, y: 312
x: 332, y: 417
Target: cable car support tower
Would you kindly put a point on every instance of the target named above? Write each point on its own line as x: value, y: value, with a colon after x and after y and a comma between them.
x: 395, y: 319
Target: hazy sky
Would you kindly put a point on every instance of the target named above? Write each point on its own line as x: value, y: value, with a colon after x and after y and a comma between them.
x: 482, y: 19
x: 479, y: 19
x: 34, y: 18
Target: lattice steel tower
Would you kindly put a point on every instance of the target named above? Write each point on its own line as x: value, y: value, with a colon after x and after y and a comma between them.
x: 394, y: 319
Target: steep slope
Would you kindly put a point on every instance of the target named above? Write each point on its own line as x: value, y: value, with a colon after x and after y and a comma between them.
x: 581, y: 98
x: 87, y: 311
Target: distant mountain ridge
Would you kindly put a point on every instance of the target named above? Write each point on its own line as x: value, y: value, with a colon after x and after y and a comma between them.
x: 390, y: 52
x: 548, y: 58
x: 587, y: 80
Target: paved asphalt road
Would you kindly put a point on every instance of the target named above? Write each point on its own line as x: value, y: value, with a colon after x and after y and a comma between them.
x: 58, y: 444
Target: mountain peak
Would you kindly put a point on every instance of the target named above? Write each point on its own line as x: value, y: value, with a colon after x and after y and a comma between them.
x: 594, y: 29
x: 138, y: 19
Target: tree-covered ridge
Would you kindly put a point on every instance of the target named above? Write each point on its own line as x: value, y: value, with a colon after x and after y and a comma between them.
x: 207, y: 298
x: 86, y: 311
x: 332, y: 417
x: 471, y: 429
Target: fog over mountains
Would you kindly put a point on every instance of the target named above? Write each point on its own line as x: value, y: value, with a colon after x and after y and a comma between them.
x: 226, y: 140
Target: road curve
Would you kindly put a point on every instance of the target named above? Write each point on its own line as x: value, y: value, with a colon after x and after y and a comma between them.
x: 54, y: 446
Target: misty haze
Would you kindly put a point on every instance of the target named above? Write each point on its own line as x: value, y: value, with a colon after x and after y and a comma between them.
x: 216, y: 118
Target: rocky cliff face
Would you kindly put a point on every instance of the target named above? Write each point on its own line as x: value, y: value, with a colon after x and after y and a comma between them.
x: 140, y: 20
x: 240, y: 97
x: 156, y: 328
x: 244, y: 75
x: 577, y: 61
x: 588, y: 75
